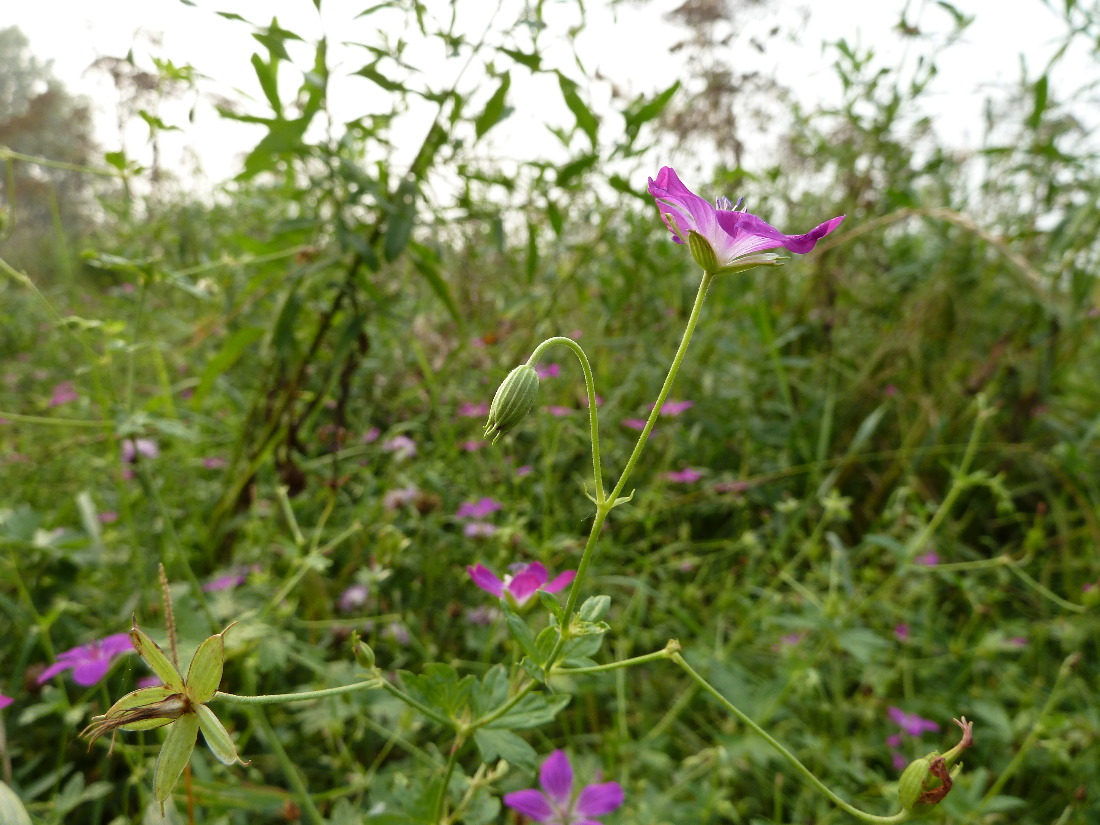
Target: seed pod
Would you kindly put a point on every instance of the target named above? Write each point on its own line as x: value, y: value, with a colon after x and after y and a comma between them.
x: 513, y: 401
x: 911, y: 783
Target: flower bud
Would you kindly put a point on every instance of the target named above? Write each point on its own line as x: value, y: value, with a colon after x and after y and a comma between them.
x: 513, y: 401
x: 364, y: 654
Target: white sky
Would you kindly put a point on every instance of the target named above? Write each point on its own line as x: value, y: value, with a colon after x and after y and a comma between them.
x: 630, y: 48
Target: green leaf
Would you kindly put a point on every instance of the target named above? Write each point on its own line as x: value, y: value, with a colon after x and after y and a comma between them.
x: 575, y: 169
x: 532, y: 61
x: 440, y: 688
x: 427, y: 264
x: 237, y: 345
x: 550, y: 602
x: 494, y: 110
x: 269, y: 82
x: 174, y: 755
x: 641, y: 111
x: 532, y: 711
x: 491, y: 691
x: 156, y: 658
x: 594, y: 608
x: 402, y: 217
x: 12, y: 811
x: 1040, y: 103
x: 521, y: 633
x: 205, y: 672
x: 371, y: 73
x: 503, y: 744
x: 586, y: 121
x: 217, y: 738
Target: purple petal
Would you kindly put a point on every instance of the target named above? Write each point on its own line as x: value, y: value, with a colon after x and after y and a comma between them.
x: 57, y: 667
x: 90, y: 671
x: 561, y: 582
x: 752, y: 234
x: 5, y: 701
x: 556, y: 778
x: 599, y: 799
x: 529, y: 803
x: 115, y: 644
x: 682, y: 210
x: 524, y: 585
x: 538, y: 570
x: 484, y: 578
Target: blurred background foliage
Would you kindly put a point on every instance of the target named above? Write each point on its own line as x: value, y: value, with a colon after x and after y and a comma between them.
x: 925, y: 383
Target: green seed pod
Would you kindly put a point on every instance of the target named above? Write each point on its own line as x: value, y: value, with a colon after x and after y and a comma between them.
x: 911, y: 783
x: 513, y: 401
x: 364, y: 655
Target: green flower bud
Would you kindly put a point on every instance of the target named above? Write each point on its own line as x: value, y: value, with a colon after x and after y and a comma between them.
x: 513, y: 401
x: 364, y: 654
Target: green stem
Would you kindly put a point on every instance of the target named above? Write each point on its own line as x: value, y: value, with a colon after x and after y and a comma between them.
x: 657, y: 655
x: 1068, y: 664
x: 808, y: 775
x: 290, y: 769
x: 590, y: 385
x: 441, y: 801
x: 304, y: 696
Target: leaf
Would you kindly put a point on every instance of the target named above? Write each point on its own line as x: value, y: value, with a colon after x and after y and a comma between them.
x: 494, y: 110
x: 371, y: 73
x: 532, y: 711
x: 532, y: 61
x: 639, y: 112
x: 862, y: 643
x: 1040, y: 104
x: 402, y: 216
x: 503, y: 744
x: 594, y: 608
x: 268, y: 82
x: 491, y: 691
x: 575, y: 169
x: 12, y: 811
x: 586, y: 121
x: 521, y: 633
x: 237, y: 345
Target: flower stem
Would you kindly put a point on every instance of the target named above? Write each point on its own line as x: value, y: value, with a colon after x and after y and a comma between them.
x: 304, y: 696
x: 901, y: 816
x: 590, y: 385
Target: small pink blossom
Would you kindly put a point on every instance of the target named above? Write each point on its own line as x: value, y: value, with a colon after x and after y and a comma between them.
x: 63, y: 393
x: 674, y: 408
x: 89, y: 663
x: 901, y: 632
x: 1017, y: 641
x: 890, y: 391
x: 910, y: 723
x: 929, y: 559
x: 214, y: 462
x: 470, y: 409
x: 558, y: 412
x: 478, y: 509
x: 398, y: 498
x: 401, y: 446
x: 684, y: 476
x: 473, y: 445
x: 5, y: 701
x: 227, y: 582
x: 134, y: 447
x: 635, y: 424
x: 548, y: 371
x: 479, y: 530
x: 523, y: 470
x: 107, y: 517
x: 370, y: 436
x: 353, y: 597
x: 558, y: 803
x: 149, y: 681
x: 522, y: 583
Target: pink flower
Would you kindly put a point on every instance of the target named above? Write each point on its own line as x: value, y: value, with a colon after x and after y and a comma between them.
x: 149, y: 681
x: 674, y: 408
x: 133, y: 447
x: 214, y: 462
x: 5, y: 701
x: 398, y: 498
x: 901, y: 632
x: 479, y: 530
x: 108, y: 517
x: 548, y: 371
x: 227, y: 582
x: 478, y: 509
x: 89, y: 663
x: 732, y: 241
x: 558, y: 803
x: 684, y: 476
x: 468, y: 409
x: 558, y: 412
x: 370, y: 436
x: 401, y: 446
x: 1017, y: 641
x: 63, y: 393
x: 929, y: 559
x: 635, y: 424
x: 353, y: 597
x: 522, y: 583
x: 910, y: 723
x: 473, y: 445
x: 523, y: 470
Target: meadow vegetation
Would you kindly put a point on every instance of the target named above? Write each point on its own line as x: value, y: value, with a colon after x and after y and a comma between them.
x: 870, y: 504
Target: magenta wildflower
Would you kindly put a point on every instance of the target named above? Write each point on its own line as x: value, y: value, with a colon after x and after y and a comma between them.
x: 910, y: 723
x: 522, y: 583
x: 134, y: 447
x: 63, y: 393
x: 901, y: 632
x: 469, y: 409
x: 353, y: 597
x: 5, y: 701
x: 929, y: 559
x: 635, y: 424
x: 1017, y: 641
x: 548, y: 371
x: 674, y: 408
x: 523, y: 470
x: 558, y: 412
x: 227, y: 582
x: 473, y: 445
x: 149, y: 681
x: 726, y: 240
x: 684, y: 476
x: 370, y: 436
x: 558, y: 803
x: 89, y: 663
x: 401, y: 446
x: 478, y: 509
x: 398, y: 498
x: 108, y: 517
x: 214, y: 462
x: 479, y: 530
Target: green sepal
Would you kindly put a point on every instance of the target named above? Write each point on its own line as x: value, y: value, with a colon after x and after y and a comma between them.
x: 174, y: 755
x: 217, y: 738
x: 156, y: 658
x: 702, y: 251
x: 205, y: 673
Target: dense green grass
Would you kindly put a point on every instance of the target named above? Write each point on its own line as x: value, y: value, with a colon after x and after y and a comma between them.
x: 895, y: 507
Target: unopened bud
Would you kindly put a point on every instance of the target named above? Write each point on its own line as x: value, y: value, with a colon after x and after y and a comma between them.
x: 513, y: 401
x: 364, y: 655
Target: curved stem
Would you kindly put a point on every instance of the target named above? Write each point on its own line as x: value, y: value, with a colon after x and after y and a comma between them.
x: 590, y: 385
x: 304, y: 696
x: 808, y: 775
